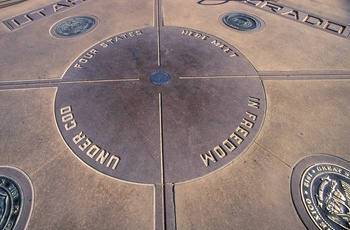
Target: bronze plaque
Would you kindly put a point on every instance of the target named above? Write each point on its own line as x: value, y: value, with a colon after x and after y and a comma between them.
x: 74, y: 26
x: 150, y: 108
x: 16, y: 198
x: 323, y: 199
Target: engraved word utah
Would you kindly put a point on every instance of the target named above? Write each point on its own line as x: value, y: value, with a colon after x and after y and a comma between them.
x: 35, y: 15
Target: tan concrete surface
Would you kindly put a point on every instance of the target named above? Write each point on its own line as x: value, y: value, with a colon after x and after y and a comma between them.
x: 24, y: 7
x: 67, y: 194
x: 306, y: 117
x: 337, y: 10
x: 303, y: 117
x: 283, y: 45
x: 251, y: 193
x: 54, y: 55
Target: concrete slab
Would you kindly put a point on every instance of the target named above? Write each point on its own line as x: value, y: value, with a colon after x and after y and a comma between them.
x: 66, y: 194
x: 283, y: 45
x: 248, y: 194
x: 163, y: 117
x: 314, y: 125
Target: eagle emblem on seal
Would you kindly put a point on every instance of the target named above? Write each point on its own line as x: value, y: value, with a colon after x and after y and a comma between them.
x: 333, y: 198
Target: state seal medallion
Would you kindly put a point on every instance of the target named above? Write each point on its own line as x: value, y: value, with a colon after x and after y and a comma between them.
x: 324, y: 190
x: 16, y: 198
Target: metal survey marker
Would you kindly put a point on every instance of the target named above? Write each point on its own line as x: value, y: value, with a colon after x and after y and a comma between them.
x: 172, y: 114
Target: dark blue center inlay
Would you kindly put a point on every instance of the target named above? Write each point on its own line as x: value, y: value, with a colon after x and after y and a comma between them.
x: 160, y: 78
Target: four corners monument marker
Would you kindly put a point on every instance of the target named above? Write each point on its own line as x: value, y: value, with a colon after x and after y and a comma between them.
x: 175, y: 116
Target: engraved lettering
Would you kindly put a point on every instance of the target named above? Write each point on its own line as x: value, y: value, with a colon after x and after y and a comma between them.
x: 186, y: 32
x: 86, y: 144
x: 102, y: 157
x: 251, y: 116
x: 318, y: 22
x: 94, y: 51
x: 92, y: 151
x: 67, y: 117
x: 254, y: 102
x: 243, y: 131
x: 323, y: 225
x: 254, y: 2
x: 220, y: 151
x: 83, y: 60
x: 224, y: 47
x: 206, y: 157
x: 19, y: 22
x: 87, y: 56
x: 229, y: 145
x: 117, y: 38
x: 195, y: 34
x: 237, y: 138
x: 39, y: 12
x: 73, y: 1
x: 116, y: 161
x: 58, y: 6
x: 71, y: 125
x: 272, y: 6
x: 66, y: 110
x: 35, y: 15
x: 292, y: 13
x: 78, y: 138
x: 218, y: 44
x: 313, y: 20
x: 104, y: 45
x: 247, y: 123
x: 335, y: 27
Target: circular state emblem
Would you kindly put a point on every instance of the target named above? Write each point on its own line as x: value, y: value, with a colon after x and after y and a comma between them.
x: 16, y: 198
x: 11, y: 198
x: 325, y: 193
x: 241, y: 21
x: 74, y: 26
